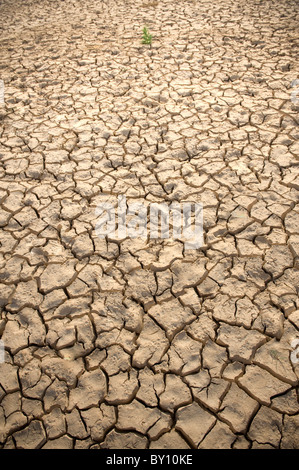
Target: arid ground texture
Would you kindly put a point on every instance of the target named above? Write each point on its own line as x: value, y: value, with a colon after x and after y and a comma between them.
x: 139, y: 343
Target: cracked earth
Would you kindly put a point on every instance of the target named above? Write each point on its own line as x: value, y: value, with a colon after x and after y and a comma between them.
x: 131, y: 343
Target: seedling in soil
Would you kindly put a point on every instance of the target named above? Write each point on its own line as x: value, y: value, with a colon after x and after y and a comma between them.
x: 146, y: 37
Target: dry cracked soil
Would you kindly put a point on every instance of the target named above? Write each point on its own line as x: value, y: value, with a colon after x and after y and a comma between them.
x: 139, y: 342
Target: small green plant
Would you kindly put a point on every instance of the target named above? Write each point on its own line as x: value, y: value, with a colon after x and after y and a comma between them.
x: 274, y: 354
x: 146, y: 36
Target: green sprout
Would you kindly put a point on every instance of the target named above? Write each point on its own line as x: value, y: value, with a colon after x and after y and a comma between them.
x: 274, y: 354
x: 146, y: 37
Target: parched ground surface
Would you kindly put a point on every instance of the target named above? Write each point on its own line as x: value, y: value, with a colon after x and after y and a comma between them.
x: 131, y: 343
